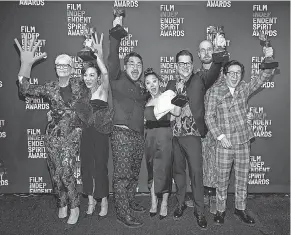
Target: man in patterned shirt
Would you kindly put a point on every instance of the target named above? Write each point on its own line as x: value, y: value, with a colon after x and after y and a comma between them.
x: 226, y: 110
x: 188, y: 129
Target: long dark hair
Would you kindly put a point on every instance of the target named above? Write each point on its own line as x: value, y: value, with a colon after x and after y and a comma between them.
x: 90, y: 64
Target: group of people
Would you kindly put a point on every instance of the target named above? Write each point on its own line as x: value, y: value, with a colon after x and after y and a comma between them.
x: 140, y: 119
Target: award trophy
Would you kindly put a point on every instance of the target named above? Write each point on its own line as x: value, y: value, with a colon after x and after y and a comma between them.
x: 86, y: 54
x: 220, y: 54
x: 118, y: 31
x: 180, y: 100
x: 268, y: 62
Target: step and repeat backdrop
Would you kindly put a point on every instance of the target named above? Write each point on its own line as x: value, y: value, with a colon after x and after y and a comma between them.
x: 157, y: 30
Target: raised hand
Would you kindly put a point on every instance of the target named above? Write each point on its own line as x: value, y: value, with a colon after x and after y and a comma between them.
x: 97, y: 45
x: 27, y: 53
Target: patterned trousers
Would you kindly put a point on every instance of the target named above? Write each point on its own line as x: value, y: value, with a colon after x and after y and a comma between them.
x: 62, y: 153
x: 239, y: 155
x: 127, y: 152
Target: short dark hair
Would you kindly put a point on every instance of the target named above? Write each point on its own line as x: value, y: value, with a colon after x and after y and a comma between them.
x: 234, y: 62
x: 184, y: 52
x: 132, y: 54
x: 90, y: 64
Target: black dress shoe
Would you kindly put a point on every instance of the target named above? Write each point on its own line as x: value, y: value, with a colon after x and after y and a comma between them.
x: 129, y: 221
x: 137, y: 208
x: 179, y: 211
x: 219, y: 217
x: 244, y: 217
x: 152, y: 214
x: 162, y: 217
x: 201, y: 220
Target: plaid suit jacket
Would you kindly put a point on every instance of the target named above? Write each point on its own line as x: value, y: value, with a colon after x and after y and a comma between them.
x: 226, y: 114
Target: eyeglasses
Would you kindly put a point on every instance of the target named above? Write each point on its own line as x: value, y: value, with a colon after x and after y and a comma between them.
x: 231, y: 73
x: 62, y: 66
x: 184, y: 64
x: 132, y: 65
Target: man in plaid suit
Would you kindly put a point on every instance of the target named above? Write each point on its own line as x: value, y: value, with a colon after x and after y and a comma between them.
x: 225, y: 117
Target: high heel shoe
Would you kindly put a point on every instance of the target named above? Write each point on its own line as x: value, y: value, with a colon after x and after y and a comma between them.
x: 94, y: 206
x: 152, y: 214
x: 164, y: 208
x: 63, y: 212
x: 104, y: 210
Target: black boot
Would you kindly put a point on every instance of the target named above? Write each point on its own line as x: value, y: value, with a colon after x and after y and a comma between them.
x: 244, y: 216
x: 179, y: 211
x: 219, y: 217
x: 201, y: 220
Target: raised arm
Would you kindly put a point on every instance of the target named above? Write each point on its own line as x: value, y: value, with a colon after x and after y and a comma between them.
x: 98, y: 49
x: 209, y: 77
x: 113, y: 58
x: 27, y: 59
x: 264, y: 75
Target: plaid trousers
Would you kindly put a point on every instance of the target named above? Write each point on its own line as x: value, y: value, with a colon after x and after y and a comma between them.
x: 239, y: 155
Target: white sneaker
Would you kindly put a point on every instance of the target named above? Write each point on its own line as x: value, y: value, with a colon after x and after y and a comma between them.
x: 74, y: 216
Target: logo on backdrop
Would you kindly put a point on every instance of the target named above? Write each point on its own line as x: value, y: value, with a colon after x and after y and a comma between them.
x: 171, y: 25
x: 262, y: 20
x: 167, y: 69
x: 126, y: 3
x: 211, y: 33
x: 218, y: 4
x: 38, y: 185
x: 3, y: 174
x: 260, y: 124
x: 35, y: 144
x: 2, y: 133
x: 258, y: 171
x: 31, y: 2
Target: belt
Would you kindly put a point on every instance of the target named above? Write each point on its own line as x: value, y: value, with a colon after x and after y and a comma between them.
x: 157, y: 124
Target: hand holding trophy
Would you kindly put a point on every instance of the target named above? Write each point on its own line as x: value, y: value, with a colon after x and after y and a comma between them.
x: 219, y: 43
x: 86, y: 54
x: 268, y: 62
x: 118, y: 31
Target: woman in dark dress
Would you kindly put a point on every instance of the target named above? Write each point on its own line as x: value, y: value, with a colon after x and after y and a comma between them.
x: 158, y: 138
x: 94, y: 150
